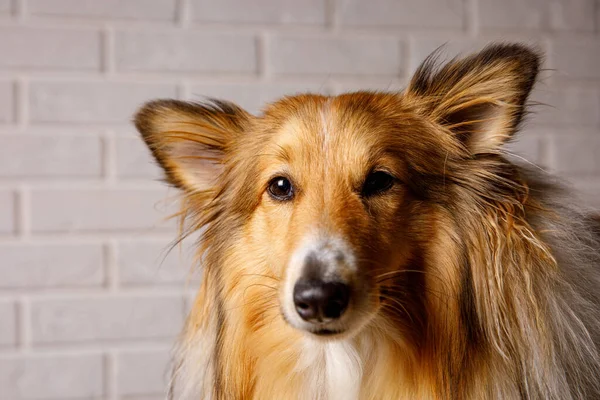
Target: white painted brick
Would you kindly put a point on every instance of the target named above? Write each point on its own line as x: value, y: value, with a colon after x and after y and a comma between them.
x: 51, y: 377
x: 253, y: 96
x: 34, y: 265
x: 114, y: 9
x: 147, y: 397
x: 134, y: 159
x: 49, y: 156
x: 49, y: 48
x: 577, y: 58
x: 589, y: 191
x: 154, y: 262
x: 143, y: 373
x: 185, y: 51
x: 8, y: 327
x: 138, y: 210
x: 7, y: 211
x: 577, y: 105
x: 511, y: 14
x: 6, y: 101
x: 559, y: 15
x: 5, y: 6
x: 335, y: 55
x: 401, y: 13
x: 120, y: 317
x: 571, y: 15
x: 577, y: 154
x: 260, y: 11
x: 91, y: 102
x: 528, y: 146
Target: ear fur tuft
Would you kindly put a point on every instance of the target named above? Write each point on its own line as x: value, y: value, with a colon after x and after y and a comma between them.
x: 481, y: 98
x: 190, y: 140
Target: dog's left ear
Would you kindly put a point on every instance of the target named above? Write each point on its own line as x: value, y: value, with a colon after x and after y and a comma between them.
x: 480, y: 99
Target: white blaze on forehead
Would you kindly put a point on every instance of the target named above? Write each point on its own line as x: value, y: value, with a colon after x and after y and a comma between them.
x: 325, y: 124
x: 326, y: 132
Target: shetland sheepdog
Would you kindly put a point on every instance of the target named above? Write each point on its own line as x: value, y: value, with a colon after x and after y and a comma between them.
x: 381, y: 246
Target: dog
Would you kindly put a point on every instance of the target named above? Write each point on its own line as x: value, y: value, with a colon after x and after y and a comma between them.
x: 381, y: 246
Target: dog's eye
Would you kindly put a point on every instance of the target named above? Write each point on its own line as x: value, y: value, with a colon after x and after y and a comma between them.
x: 281, y: 189
x: 377, y: 182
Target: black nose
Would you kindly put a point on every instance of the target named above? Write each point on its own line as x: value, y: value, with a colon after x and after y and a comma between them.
x: 318, y: 301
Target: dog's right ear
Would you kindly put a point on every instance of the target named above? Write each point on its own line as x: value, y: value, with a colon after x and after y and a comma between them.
x: 191, y: 140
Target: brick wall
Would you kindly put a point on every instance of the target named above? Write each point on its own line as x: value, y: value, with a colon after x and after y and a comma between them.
x: 89, y: 299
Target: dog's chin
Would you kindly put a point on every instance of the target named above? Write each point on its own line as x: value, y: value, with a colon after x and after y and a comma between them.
x: 339, y: 330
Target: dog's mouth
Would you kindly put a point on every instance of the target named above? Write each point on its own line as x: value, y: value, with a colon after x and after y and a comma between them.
x: 327, y: 332
x: 319, y: 330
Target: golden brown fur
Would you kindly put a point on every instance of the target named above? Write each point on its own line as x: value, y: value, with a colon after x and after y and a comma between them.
x: 475, y: 278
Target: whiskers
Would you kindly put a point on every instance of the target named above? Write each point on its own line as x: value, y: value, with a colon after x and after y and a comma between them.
x: 406, y: 293
x: 268, y: 293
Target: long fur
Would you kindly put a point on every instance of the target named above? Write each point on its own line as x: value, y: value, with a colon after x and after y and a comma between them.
x: 496, y: 296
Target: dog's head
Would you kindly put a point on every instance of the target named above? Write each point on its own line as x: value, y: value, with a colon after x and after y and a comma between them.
x: 337, y: 202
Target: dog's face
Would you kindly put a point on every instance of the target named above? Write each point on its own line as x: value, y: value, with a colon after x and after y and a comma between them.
x: 333, y: 199
x: 334, y: 205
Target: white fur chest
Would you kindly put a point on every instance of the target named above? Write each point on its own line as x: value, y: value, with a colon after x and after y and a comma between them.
x: 333, y: 370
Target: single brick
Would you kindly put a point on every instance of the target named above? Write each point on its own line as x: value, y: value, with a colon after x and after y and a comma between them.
x: 577, y: 153
x: 143, y: 373
x: 527, y: 147
x: 7, y: 212
x: 99, y: 210
x: 34, y: 156
x: 113, y: 9
x: 144, y: 262
x: 8, y: 327
x: 185, y: 51
x: 91, y: 102
x: 401, y: 13
x: 571, y: 15
x: 565, y: 105
x: 260, y: 11
x: 35, y: 265
x: 5, y: 6
x: 328, y: 55
x: 252, y: 96
x: 558, y: 15
x: 588, y: 189
x: 6, y: 101
x: 577, y: 58
x: 134, y: 159
x: 122, y: 317
x: 511, y: 14
x: 51, y: 377
x: 49, y: 48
